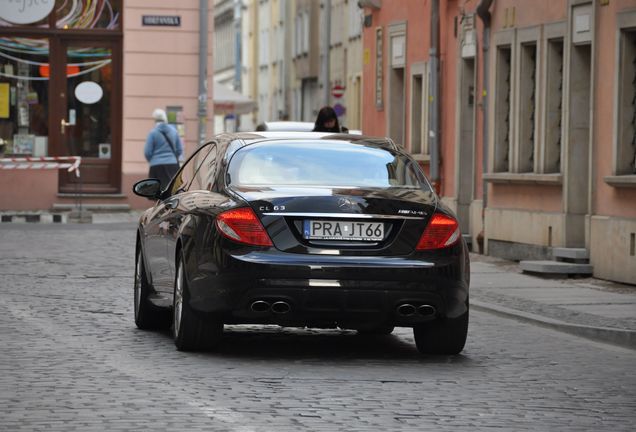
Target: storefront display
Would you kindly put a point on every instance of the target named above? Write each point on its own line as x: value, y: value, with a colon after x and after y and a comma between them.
x: 59, y: 93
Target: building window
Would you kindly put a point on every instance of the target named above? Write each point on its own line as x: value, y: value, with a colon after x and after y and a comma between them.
x: 503, y: 94
x: 419, y: 110
x: 554, y: 106
x: 305, y: 33
x: 626, y: 146
x: 297, y: 35
x: 337, y: 24
x: 355, y: 19
x: 527, y: 107
x: 224, y: 44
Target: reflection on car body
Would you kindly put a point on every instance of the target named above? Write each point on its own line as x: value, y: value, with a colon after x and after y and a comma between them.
x: 301, y: 229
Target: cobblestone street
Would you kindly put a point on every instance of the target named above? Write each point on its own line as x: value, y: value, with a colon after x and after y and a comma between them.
x: 72, y: 359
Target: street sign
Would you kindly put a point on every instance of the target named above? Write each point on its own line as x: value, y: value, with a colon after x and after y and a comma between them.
x: 337, y: 91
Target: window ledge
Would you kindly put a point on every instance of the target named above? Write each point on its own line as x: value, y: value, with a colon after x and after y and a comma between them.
x: 621, y: 180
x: 421, y: 157
x: 524, y: 178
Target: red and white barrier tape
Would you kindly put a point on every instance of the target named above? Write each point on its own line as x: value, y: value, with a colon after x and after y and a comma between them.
x: 71, y: 163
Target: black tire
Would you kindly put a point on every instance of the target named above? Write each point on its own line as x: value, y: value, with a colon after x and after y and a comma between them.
x: 147, y: 315
x: 442, y: 336
x: 377, y: 331
x: 190, y: 331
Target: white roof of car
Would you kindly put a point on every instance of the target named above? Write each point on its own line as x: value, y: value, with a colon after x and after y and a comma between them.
x: 295, y: 126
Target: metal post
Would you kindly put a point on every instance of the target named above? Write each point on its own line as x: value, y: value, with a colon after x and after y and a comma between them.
x: 484, y: 14
x: 238, y: 64
x: 326, y: 41
x: 238, y: 59
x: 433, y: 123
x: 202, y: 112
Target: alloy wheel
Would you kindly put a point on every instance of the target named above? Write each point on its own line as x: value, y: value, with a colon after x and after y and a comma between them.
x: 137, y: 285
x: 178, y: 300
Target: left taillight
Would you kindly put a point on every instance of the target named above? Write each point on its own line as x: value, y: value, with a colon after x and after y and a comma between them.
x: 242, y: 225
x: 442, y: 231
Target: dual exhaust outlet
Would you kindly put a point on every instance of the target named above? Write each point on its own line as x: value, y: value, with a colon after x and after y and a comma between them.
x: 409, y: 310
x: 282, y: 307
x: 278, y: 307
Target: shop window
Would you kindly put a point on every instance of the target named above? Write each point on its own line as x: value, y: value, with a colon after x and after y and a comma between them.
x: 527, y: 107
x: 626, y: 145
x: 554, y: 106
x: 88, y: 14
x: 503, y: 95
x: 78, y: 14
x: 24, y: 96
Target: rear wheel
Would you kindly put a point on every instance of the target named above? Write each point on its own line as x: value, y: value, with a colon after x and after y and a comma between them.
x: 442, y: 336
x: 147, y: 315
x: 190, y: 331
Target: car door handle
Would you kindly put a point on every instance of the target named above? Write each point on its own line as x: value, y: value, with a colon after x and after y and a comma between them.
x: 172, y: 204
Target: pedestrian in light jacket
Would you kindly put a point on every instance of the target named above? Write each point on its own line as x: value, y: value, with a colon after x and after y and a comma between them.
x: 163, y: 149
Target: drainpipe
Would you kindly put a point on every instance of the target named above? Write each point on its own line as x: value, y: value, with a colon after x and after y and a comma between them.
x: 484, y: 14
x: 433, y: 124
x: 326, y: 39
x: 238, y: 66
x: 202, y: 112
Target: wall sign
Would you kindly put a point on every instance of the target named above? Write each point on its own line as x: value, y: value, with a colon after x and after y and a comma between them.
x: 161, y: 20
x: 379, y: 75
x: 4, y: 100
x: 25, y: 11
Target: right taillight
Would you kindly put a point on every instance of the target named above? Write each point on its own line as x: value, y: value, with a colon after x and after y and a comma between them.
x: 442, y: 231
x: 242, y: 225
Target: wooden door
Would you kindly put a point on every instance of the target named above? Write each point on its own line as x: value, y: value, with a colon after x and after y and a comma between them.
x: 87, y: 114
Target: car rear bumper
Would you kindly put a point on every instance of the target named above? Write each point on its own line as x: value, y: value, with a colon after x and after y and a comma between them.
x: 324, y: 291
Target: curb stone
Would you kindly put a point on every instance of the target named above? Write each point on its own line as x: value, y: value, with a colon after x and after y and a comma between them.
x: 620, y: 337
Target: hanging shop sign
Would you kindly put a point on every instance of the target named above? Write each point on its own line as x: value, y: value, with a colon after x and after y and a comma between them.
x: 25, y: 11
x: 161, y: 20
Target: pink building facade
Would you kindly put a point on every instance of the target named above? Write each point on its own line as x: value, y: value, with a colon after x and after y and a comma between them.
x: 550, y: 136
x: 135, y: 55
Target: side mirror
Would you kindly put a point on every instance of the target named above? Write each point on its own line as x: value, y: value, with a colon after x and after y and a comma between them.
x: 148, y: 188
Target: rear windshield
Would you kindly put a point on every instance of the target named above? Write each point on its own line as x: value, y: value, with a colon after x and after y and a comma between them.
x: 323, y: 163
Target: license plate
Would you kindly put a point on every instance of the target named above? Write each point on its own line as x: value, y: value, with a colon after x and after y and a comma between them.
x: 343, y: 230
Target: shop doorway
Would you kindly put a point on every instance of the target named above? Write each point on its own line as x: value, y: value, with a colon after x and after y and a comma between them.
x: 86, y: 115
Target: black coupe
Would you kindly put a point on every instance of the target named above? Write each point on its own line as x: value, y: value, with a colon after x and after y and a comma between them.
x: 305, y: 230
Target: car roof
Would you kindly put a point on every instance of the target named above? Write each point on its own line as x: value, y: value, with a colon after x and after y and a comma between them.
x: 253, y: 137
x: 293, y: 126
x: 287, y: 126
x: 234, y: 141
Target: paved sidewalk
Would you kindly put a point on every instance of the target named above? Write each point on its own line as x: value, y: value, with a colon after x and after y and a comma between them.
x: 587, y: 307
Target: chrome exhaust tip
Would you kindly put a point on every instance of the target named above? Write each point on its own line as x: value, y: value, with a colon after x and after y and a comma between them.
x: 281, y: 307
x: 406, y: 309
x: 260, y: 306
x: 426, y: 310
